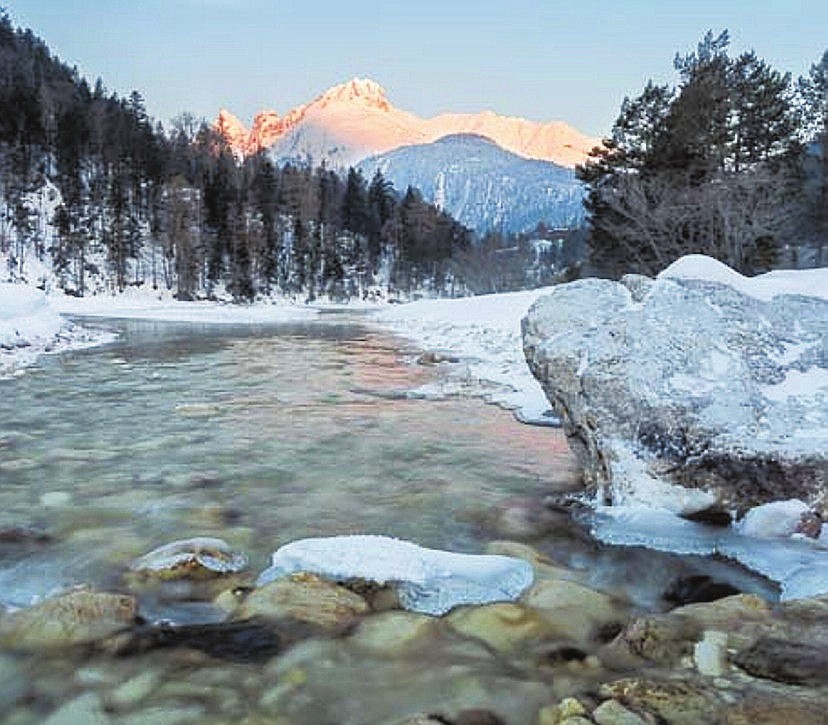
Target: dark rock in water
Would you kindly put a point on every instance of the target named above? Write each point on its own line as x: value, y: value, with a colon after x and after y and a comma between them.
x: 697, y: 588
x: 23, y: 535
x: 245, y: 641
x: 712, y: 516
x: 557, y: 655
x: 810, y: 524
x: 794, y: 663
x: 435, y: 358
x: 478, y: 717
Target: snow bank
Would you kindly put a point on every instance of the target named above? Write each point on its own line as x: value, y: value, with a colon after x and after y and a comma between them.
x: 29, y: 327
x: 25, y: 316
x: 485, y: 333
x: 806, y: 282
x: 143, y: 303
x: 429, y: 581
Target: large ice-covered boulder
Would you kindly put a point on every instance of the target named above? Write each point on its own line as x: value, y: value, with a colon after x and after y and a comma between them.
x: 429, y: 581
x: 700, y: 377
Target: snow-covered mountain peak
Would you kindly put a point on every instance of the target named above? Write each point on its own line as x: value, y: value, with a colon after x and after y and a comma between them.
x: 354, y: 120
x: 363, y: 91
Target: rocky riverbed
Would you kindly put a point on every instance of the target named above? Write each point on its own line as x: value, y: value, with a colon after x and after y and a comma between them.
x: 289, y: 652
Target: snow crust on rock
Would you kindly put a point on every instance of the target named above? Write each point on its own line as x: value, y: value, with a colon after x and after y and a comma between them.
x: 759, y: 384
x: 774, y: 519
x: 484, y: 332
x: 805, y: 282
x: 429, y: 581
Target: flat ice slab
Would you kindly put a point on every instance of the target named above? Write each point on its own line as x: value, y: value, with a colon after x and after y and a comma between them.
x: 429, y: 581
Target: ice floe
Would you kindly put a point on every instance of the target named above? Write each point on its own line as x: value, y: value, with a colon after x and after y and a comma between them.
x: 429, y: 581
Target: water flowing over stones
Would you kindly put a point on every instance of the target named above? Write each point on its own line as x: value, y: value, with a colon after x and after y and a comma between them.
x: 687, y: 381
x: 67, y: 620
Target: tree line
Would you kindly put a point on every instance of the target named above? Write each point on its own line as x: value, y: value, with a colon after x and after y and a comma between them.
x: 731, y: 163
x: 89, y: 184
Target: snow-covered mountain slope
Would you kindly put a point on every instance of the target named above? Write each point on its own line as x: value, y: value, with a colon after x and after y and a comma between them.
x: 355, y: 119
x: 482, y: 185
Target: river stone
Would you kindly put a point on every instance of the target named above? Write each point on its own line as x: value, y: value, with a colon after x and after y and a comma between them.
x: 612, y: 712
x: 73, y: 618
x: 666, y: 638
x: 173, y: 714
x: 674, y: 701
x: 794, y: 663
x: 197, y: 558
x: 13, y: 682
x: 134, y: 690
x: 564, y: 711
x: 391, y: 633
x: 505, y: 627
x: 306, y: 598
x: 574, y: 609
x: 545, y: 568
x: 689, y: 382
x: 778, y: 708
x: 86, y: 709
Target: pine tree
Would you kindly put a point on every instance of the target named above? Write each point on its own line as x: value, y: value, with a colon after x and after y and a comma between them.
x: 709, y: 167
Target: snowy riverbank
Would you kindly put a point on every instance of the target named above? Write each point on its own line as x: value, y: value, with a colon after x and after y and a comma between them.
x: 31, y: 327
x: 484, y: 333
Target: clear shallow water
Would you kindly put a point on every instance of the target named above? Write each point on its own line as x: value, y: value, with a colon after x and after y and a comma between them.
x: 257, y: 435
x: 263, y: 435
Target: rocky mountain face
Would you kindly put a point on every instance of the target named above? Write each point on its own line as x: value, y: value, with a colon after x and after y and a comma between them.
x: 482, y: 185
x: 354, y: 120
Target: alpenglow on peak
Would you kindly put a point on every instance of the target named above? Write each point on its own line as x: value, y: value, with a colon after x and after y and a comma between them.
x: 361, y: 90
x: 354, y: 120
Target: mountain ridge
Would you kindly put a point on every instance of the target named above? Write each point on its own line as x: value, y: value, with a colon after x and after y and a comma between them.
x: 483, y: 185
x: 355, y: 119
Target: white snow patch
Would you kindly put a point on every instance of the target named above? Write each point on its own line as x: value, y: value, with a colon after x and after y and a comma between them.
x: 806, y: 282
x: 773, y: 520
x: 147, y: 304
x: 485, y: 333
x: 429, y: 581
x: 29, y: 327
x: 25, y: 316
x: 798, y: 384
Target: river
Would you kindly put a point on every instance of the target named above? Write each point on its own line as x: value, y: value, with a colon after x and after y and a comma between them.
x: 261, y: 435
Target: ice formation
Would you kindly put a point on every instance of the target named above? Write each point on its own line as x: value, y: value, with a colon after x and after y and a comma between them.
x: 429, y: 581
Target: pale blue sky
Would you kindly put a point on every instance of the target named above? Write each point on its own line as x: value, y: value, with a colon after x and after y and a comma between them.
x: 540, y: 59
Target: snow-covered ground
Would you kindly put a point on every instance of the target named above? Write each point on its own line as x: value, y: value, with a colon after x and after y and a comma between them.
x: 30, y: 327
x: 143, y: 303
x: 484, y: 332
